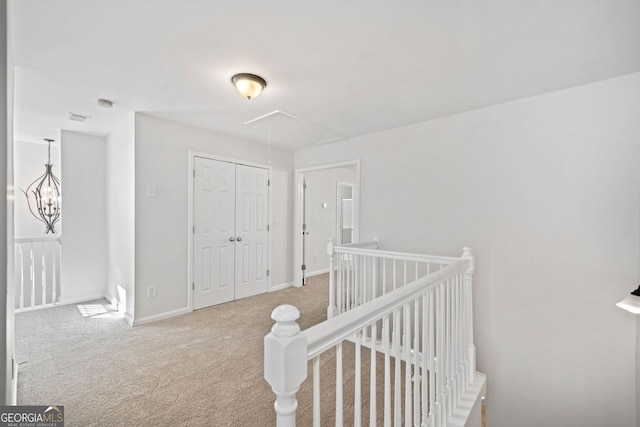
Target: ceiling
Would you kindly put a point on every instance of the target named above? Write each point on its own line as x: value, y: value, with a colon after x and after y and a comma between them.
x: 347, y: 68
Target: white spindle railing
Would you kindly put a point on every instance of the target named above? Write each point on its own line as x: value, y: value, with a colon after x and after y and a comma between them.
x: 37, y: 272
x: 424, y: 324
x: 360, y: 272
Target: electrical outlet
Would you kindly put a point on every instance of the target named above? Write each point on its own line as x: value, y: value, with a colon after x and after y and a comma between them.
x: 151, y: 291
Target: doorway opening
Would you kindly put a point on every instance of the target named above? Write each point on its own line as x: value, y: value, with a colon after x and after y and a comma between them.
x: 319, y: 211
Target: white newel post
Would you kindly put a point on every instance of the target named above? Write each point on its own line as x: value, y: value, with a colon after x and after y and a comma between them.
x: 332, y: 309
x: 468, y: 281
x: 285, y: 362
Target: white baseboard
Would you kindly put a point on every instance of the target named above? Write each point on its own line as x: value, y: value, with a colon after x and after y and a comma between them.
x: 161, y: 316
x: 316, y: 273
x: 14, y: 384
x: 280, y: 287
x: 65, y: 301
x: 128, y: 318
x: 117, y: 305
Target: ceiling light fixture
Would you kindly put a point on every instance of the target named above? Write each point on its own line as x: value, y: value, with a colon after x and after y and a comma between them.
x: 43, y: 196
x: 249, y: 85
x: 105, y: 103
x: 632, y: 302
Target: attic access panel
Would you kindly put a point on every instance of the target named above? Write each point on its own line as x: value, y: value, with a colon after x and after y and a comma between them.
x: 292, y: 132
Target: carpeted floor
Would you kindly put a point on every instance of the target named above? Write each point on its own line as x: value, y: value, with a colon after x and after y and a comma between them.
x: 201, y: 369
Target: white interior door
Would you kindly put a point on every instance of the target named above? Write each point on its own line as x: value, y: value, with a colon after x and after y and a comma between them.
x: 252, y: 194
x: 214, y: 232
x: 230, y: 217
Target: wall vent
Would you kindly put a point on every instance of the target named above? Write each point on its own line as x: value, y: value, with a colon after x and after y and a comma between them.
x: 78, y: 117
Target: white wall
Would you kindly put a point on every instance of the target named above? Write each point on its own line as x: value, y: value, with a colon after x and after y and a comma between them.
x: 84, y: 236
x: 161, y: 225
x: 29, y: 159
x: 546, y: 191
x: 120, y: 199
x: 321, y: 222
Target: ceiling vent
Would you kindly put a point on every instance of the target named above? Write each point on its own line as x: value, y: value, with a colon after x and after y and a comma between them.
x: 78, y: 118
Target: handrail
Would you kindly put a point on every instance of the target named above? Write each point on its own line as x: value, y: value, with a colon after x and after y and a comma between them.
x: 354, y: 250
x: 38, y: 239
x: 327, y: 334
x: 365, y: 245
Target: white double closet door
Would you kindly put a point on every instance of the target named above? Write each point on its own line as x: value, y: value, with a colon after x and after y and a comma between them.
x: 230, y: 217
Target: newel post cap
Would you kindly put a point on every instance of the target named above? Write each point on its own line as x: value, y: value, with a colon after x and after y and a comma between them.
x: 285, y: 351
x: 467, y: 253
x: 330, y: 245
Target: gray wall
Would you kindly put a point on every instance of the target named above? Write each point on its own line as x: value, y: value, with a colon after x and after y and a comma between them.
x: 84, y: 231
x: 120, y: 196
x: 546, y: 191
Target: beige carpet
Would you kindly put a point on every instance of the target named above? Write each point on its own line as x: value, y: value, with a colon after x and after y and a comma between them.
x: 200, y: 369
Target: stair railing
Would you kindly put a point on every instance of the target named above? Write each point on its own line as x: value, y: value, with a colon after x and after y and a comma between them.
x: 422, y: 332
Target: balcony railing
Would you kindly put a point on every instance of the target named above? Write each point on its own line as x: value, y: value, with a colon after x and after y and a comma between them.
x: 37, y: 272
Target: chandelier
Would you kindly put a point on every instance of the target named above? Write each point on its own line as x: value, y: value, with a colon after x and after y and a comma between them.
x: 43, y: 196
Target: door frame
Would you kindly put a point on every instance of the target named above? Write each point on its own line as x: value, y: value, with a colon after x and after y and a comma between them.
x: 354, y: 201
x: 190, y: 170
x: 297, y: 202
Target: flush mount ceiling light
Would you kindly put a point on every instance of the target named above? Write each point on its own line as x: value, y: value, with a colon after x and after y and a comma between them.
x: 249, y: 85
x: 632, y: 302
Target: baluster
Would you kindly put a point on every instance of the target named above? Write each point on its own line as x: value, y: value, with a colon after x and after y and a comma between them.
x: 33, y: 275
x: 21, y: 255
x: 396, y: 349
x: 366, y: 292
x: 348, y: 261
x: 316, y: 391
x: 43, y: 277
x: 417, y: 377
x: 372, y: 377
x: 449, y: 348
x: 468, y: 277
x: 339, y: 403
x: 432, y: 356
x: 384, y: 276
x: 406, y: 342
x: 357, y: 296
x: 394, y: 274
x: 339, y: 285
x: 387, y: 372
x: 285, y: 362
x: 331, y: 310
x: 374, y: 275
x: 54, y: 272
x: 439, y: 359
x: 425, y: 358
x: 357, y: 401
x: 404, y: 273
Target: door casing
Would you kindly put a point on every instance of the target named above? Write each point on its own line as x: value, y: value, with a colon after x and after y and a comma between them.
x: 297, y: 201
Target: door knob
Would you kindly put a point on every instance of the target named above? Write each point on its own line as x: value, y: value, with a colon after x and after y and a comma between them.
x: 239, y: 239
x: 232, y: 239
